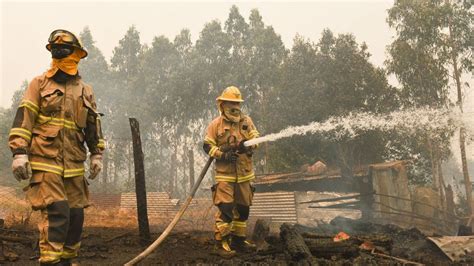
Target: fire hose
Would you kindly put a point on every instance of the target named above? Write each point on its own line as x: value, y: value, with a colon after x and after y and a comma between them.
x: 175, y: 220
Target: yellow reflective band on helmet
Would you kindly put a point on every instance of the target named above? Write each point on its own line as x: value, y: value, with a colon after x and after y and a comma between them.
x: 57, y: 122
x: 101, y: 144
x: 18, y: 131
x: 74, y: 172
x: 30, y: 105
x: 47, y: 168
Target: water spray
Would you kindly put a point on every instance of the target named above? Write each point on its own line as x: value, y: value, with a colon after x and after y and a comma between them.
x: 354, y: 124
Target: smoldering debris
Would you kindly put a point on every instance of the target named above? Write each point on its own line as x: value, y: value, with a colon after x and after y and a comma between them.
x: 350, y: 241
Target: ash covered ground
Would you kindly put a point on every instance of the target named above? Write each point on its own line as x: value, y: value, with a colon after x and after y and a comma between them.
x: 383, y: 245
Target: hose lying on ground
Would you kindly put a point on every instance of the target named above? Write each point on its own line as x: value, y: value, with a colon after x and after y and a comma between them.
x: 175, y: 220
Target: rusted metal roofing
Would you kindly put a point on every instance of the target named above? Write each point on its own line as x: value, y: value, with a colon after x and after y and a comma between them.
x: 274, y: 206
x: 389, y: 165
x: 268, y: 179
x: 103, y: 200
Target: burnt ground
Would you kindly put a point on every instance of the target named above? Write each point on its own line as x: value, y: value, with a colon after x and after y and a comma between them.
x: 115, y: 246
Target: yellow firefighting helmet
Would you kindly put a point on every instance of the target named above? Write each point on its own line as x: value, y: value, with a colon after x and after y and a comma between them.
x: 66, y: 37
x: 231, y: 94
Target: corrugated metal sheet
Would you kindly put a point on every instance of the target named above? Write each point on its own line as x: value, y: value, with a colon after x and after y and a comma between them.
x: 274, y: 206
x: 158, y: 203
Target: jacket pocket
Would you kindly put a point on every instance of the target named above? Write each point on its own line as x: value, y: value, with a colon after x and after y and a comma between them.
x: 224, y: 168
x: 79, y: 152
x: 51, y: 100
x: 44, y: 141
x: 82, y: 111
x: 244, y: 164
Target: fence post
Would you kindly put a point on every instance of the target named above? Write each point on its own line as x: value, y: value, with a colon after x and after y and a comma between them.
x: 191, y: 168
x: 140, y: 187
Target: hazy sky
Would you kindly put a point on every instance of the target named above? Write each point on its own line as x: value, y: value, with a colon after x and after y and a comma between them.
x: 25, y: 26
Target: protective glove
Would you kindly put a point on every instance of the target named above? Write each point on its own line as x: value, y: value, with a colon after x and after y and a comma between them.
x: 242, y: 148
x: 21, y: 167
x: 230, y: 156
x: 96, y: 166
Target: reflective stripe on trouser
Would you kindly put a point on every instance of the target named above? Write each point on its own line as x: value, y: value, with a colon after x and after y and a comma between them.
x: 239, y: 228
x: 60, y: 235
x: 223, y: 224
x: 222, y: 229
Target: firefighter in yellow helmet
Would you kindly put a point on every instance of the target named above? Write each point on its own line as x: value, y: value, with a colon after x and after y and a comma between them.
x: 233, y: 192
x: 56, y: 116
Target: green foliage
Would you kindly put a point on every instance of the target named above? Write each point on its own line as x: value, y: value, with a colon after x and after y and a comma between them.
x: 433, y: 43
x: 330, y: 78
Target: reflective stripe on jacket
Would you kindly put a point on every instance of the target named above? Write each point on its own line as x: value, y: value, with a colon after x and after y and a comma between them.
x: 218, y: 133
x: 54, y: 122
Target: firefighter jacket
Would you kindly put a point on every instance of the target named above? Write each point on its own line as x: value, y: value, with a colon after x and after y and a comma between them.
x: 218, y: 134
x: 52, y: 123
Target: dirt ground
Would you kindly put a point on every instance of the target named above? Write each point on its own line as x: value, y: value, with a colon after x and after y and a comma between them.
x: 109, y: 239
x: 115, y: 246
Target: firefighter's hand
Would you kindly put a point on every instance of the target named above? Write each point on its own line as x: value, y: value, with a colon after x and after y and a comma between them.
x: 242, y: 148
x: 21, y: 167
x: 96, y: 166
x: 230, y: 156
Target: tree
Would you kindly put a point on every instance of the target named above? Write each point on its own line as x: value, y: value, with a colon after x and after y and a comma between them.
x: 125, y: 66
x: 96, y: 72
x: 434, y: 39
x: 331, y: 78
x: 6, y: 121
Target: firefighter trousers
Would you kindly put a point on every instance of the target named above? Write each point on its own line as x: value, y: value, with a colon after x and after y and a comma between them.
x: 233, y: 201
x: 61, y: 202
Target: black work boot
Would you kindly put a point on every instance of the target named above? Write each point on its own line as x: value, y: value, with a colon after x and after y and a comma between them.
x: 223, y: 249
x: 241, y: 244
x: 62, y: 262
x: 65, y: 262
